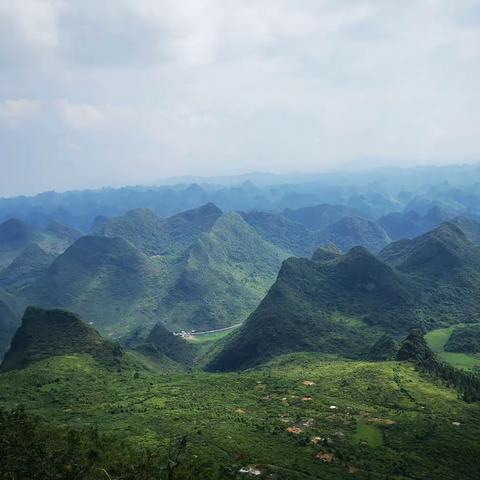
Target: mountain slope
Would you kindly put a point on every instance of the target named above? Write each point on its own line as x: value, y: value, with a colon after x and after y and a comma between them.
x: 48, y: 333
x: 350, y: 231
x: 30, y: 265
x: 338, y: 306
x: 222, y: 277
x: 106, y: 280
x: 444, y: 268
x: 319, y: 217
x: 286, y: 234
x: 8, y: 322
x: 156, y: 236
x: 15, y: 236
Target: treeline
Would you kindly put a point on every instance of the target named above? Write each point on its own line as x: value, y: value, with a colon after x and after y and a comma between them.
x: 32, y: 450
x: 415, y: 349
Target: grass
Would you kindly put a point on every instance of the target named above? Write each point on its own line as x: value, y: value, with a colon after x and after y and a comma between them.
x: 238, y: 419
x: 437, y: 339
x: 369, y: 434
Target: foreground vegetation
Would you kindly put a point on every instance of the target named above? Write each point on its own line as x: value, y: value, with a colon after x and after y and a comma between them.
x: 301, y: 416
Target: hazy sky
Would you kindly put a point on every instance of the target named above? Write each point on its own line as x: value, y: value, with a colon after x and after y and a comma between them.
x: 114, y: 92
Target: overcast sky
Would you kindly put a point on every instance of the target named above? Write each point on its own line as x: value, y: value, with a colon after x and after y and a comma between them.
x: 118, y: 92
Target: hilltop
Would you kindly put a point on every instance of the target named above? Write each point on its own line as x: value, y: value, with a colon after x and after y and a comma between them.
x: 156, y: 236
x: 49, y: 333
x: 104, y: 279
x: 222, y: 277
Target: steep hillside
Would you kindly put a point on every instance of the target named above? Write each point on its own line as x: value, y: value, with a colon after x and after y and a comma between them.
x: 349, y: 232
x: 470, y: 227
x: 48, y: 333
x: 156, y: 236
x: 8, y: 321
x: 106, y: 280
x: 319, y: 217
x: 340, y: 306
x: 286, y: 234
x: 162, y: 343
x: 444, y: 268
x: 410, y: 224
x: 15, y: 236
x: 30, y: 265
x: 222, y: 277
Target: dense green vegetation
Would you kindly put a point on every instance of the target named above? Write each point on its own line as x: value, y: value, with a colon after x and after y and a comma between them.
x: 339, y: 305
x: 299, y: 417
x: 222, y: 277
x: 155, y: 236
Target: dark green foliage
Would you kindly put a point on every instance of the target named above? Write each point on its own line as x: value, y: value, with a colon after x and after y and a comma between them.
x: 385, y: 348
x: 34, y: 450
x: 464, y: 339
x: 48, y: 333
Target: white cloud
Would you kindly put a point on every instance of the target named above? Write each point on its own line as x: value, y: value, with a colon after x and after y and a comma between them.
x: 271, y: 84
x: 14, y: 111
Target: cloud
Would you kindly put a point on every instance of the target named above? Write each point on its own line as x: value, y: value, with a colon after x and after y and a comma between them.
x: 14, y: 111
x: 203, y: 86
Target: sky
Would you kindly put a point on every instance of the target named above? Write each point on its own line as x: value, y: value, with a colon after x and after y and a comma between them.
x: 117, y: 92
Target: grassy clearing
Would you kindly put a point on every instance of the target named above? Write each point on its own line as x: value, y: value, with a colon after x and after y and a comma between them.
x: 369, y: 434
x: 436, y: 340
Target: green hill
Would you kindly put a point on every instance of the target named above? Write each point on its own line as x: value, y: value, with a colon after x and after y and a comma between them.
x: 15, y: 236
x: 342, y: 304
x: 444, y: 268
x: 106, y: 280
x: 286, y: 234
x: 351, y: 231
x: 156, y: 236
x: 162, y: 343
x: 319, y: 217
x: 49, y: 333
x: 30, y: 265
x: 470, y: 227
x: 339, y: 306
x: 222, y: 277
